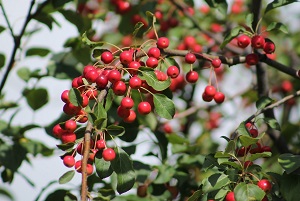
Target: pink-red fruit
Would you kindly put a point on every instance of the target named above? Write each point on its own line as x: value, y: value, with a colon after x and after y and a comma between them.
x: 109, y: 154
x: 243, y: 41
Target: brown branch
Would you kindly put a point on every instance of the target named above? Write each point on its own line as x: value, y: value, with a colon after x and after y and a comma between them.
x: 86, y: 145
x: 17, y: 39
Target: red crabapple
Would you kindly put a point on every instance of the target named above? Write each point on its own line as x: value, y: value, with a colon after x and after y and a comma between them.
x: 258, y: 42
x: 162, y: 42
x: 173, y: 71
x: 144, y: 108
x: 192, y: 76
x: 69, y: 161
x: 107, y: 57
x: 109, y: 154
x: 190, y: 58
x: 243, y: 41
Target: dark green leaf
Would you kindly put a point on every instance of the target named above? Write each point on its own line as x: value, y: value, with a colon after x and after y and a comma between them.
x: 196, y: 195
x: 82, y: 23
x: 2, y: 28
x: 2, y: 60
x: 66, y: 177
x: 58, y: 194
x: 97, y: 51
x: 224, y: 161
x: 278, y: 3
x: 66, y: 146
x: 263, y: 102
x: 221, y: 5
x: 4, y: 192
x: 70, y: 197
x: 149, y: 76
x: 115, y: 130
x: 272, y: 123
x: 59, y: 3
x: 46, y: 19
x: 24, y: 73
x: 100, y: 112
x: 231, y: 35
x: 37, y: 51
x: 289, y: 162
x: 277, y: 26
x: 230, y: 148
x: 137, y: 27
x: 122, y: 165
x: 103, y: 168
x: 75, y: 97
x: 289, y: 186
x: 220, y: 154
x: 248, y: 192
x: 164, y: 106
x: 37, y: 98
x: 100, y: 123
x: 87, y: 41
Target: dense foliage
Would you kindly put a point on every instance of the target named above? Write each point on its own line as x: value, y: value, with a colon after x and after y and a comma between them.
x: 209, y: 87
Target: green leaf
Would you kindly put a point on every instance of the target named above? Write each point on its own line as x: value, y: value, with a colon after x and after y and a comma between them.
x: 87, y: 41
x: 66, y: 146
x: 224, y: 161
x: 248, y: 192
x: 122, y: 165
x: 165, y: 174
x: 289, y: 186
x: 36, y: 98
x: 66, y: 177
x: 2, y: 60
x: 176, y: 139
x: 231, y: 35
x: 164, y: 106
x: 24, y: 73
x: 215, y: 182
x: 7, y: 105
x: 100, y: 112
x: 289, y: 162
x: 137, y: 27
x: 151, y: 20
x: 37, y: 51
x: 70, y: 197
x: 59, y: 3
x: 221, y: 154
x: 249, y: 19
x: 97, y: 51
x: 277, y: 26
x: 103, y: 168
x: 259, y: 155
x: 100, y: 123
x: 263, y: 102
x: 58, y: 194
x: 221, y: 5
x: 272, y: 123
x: 278, y: 3
x: 242, y: 130
x: 230, y: 148
x: 115, y: 130
x: 5, y: 193
x: 247, y: 140
x: 2, y: 28
x: 196, y: 195
x: 75, y: 97
x: 149, y: 76
x: 46, y: 19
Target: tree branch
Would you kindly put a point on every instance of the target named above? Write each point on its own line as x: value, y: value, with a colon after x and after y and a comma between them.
x: 6, y: 19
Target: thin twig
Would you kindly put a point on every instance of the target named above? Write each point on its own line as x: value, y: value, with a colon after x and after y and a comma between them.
x: 7, y: 20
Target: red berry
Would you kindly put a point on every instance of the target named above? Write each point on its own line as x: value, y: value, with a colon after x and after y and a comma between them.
x: 265, y: 198
x: 144, y: 108
x: 127, y: 103
x: 58, y: 131
x: 252, y: 59
x: 70, y: 126
x: 109, y: 154
x: 230, y: 196
x: 247, y: 164
x: 131, y: 117
x: 192, y: 76
x: 216, y: 63
x: 85, y: 100
x: 135, y: 82
x: 189, y: 41
x: 154, y: 52
x: 286, y: 86
x: 269, y: 47
x: 206, y: 97
x: 91, y: 76
x: 100, y: 144
x: 89, y: 169
x: 78, y: 166
x: 161, y: 76
x: 87, y: 69
x: 123, y: 7
x: 65, y: 96
x: 190, y: 58
x: 119, y: 88
x: 167, y: 128
x: 266, y: 149
x: 133, y: 67
x: 258, y: 42
x: 126, y: 57
x: 162, y: 42
x: 70, y: 109
x: 265, y: 185
x: 102, y: 81
x: 173, y: 71
x: 123, y: 112
x: 107, y: 57
x: 68, y: 137
x: 243, y: 41
x: 219, y: 97
x: 242, y: 151
x: 69, y: 161
x: 114, y: 76
x: 253, y: 132
x: 92, y: 154
x: 210, y: 90
x: 152, y: 62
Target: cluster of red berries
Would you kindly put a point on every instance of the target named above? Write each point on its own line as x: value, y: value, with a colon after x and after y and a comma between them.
x: 108, y: 154
x: 257, y: 42
x: 263, y: 184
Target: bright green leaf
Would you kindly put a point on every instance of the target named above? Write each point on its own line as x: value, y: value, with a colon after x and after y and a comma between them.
x: 100, y: 112
x: 164, y: 106
x: 242, y: 130
x: 149, y: 76
x: 247, y: 140
x: 24, y: 73
x: 224, y: 161
x: 37, y: 51
x: 231, y: 35
x: 115, y: 130
x: 176, y: 139
x: 122, y: 165
x: 259, y: 155
x: 273, y: 123
x: 196, y: 195
x: 220, y: 154
x: 165, y: 174
x: 289, y: 162
x: 248, y: 192
x: 215, y: 182
x: 278, y: 3
x: 75, y: 97
x: 103, y: 168
x: 278, y: 26
x: 36, y: 98
x: 263, y: 102
x: 249, y: 19
x: 66, y: 177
